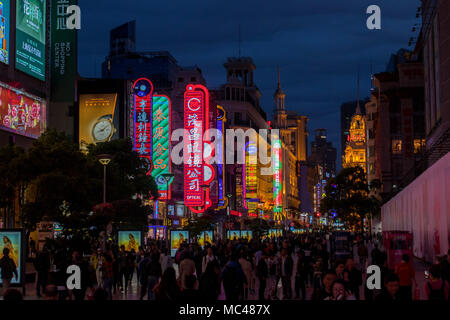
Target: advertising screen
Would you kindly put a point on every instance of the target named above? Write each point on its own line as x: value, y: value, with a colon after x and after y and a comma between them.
x: 21, y: 113
x: 176, y: 240
x: 234, y: 234
x: 30, y: 37
x: 247, y: 235
x: 130, y: 239
x: 4, y: 30
x: 98, y: 120
x: 205, y: 238
x: 13, y: 241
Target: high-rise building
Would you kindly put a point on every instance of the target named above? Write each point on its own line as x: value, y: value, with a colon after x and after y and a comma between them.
x: 398, y: 125
x: 240, y: 98
x: 434, y: 39
x: 323, y: 153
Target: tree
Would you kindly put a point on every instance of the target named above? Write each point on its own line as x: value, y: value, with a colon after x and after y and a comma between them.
x: 55, y: 181
x: 348, y: 195
x: 203, y: 223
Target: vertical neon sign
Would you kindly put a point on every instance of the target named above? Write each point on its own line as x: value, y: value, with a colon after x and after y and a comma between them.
x: 250, y: 177
x: 277, y: 178
x: 143, y: 90
x: 194, y: 105
x: 161, y: 144
x: 197, y: 150
x: 221, y: 119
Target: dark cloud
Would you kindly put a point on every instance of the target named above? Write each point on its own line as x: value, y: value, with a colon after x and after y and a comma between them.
x: 318, y: 44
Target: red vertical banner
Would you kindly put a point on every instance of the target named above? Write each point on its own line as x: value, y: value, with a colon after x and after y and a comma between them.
x: 143, y: 90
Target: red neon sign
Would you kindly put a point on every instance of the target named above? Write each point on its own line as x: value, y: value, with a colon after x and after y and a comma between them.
x: 197, y: 173
x: 194, y: 107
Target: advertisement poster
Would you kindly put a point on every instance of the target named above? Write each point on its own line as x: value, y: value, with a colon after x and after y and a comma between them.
x: 13, y: 241
x: 21, y: 113
x: 233, y: 234
x: 247, y: 235
x: 176, y: 239
x: 98, y: 120
x: 130, y: 239
x: 63, y: 66
x: 275, y: 233
x: 30, y: 37
x: 205, y: 238
x: 4, y: 30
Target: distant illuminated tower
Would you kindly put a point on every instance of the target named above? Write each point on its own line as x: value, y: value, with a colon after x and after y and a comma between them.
x: 355, y: 150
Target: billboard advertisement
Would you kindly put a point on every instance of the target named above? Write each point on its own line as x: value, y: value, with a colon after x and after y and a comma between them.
x: 4, y: 30
x: 63, y: 66
x: 21, y: 113
x: 130, y: 239
x: 161, y: 144
x: 177, y: 238
x: 31, y: 37
x: 233, y: 234
x: 205, y: 238
x: 12, y: 239
x: 247, y: 235
x: 98, y: 119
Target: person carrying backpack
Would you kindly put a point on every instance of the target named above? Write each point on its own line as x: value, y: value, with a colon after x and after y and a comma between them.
x: 436, y: 288
x: 8, y: 269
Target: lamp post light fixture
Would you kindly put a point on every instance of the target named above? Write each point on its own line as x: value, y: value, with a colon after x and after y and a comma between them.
x: 104, y: 160
x: 167, y: 177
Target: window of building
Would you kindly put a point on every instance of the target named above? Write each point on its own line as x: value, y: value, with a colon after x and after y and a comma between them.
x: 419, y: 145
x: 396, y: 146
x: 180, y: 79
x: 193, y: 79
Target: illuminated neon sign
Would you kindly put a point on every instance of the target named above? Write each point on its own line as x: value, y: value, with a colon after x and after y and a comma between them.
x: 251, y: 182
x: 161, y: 144
x: 277, y: 178
x: 221, y: 119
x: 143, y: 90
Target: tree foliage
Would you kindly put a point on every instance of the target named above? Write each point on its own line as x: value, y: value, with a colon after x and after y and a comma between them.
x: 55, y: 181
x: 348, y: 195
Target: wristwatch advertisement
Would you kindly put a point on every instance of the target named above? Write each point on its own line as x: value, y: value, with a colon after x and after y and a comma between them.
x: 96, y: 122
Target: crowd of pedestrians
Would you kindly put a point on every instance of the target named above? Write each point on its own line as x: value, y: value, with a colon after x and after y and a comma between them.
x: 292, y: 267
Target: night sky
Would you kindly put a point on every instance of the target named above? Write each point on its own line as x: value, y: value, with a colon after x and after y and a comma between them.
x: 318, y: 44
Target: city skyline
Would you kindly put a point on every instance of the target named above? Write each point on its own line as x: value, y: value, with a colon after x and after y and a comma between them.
x: 316, y: 82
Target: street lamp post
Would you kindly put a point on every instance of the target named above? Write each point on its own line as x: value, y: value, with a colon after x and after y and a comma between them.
x: 104, y: 160
x: 167, y: 177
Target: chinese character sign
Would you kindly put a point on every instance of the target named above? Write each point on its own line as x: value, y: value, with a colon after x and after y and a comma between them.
x: 277, y: 176
x: 143, y: 90
x: 194, y: 105
x: 161, y: 144
x: 250, y: 172
x: 221, y: 119
x: 63, y: 52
